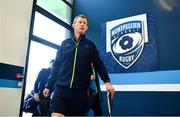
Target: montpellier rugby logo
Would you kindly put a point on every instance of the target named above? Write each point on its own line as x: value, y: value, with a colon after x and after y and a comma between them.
x: 126, y: 39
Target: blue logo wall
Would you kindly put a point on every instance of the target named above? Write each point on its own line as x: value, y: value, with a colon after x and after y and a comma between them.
x: 130, y: 44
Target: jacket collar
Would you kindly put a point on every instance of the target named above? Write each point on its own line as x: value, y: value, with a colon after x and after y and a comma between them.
x: 83, y: 36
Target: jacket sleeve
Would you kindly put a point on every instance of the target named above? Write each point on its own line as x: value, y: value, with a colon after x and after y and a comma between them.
x: 52, y: 78
x: 100, y: 67
x: 38, y: 80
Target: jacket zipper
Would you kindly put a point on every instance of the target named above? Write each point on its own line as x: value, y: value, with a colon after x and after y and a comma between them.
x: 74, y: 65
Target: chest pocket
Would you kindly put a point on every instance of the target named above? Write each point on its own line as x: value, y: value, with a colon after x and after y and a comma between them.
x: 67, y: 51
x: 85, y: 51
x: 67, y: 48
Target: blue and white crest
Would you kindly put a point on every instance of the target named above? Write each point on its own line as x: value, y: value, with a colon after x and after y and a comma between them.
x: 126, y: 39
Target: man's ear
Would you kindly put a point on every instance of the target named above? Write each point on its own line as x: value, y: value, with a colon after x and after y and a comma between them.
x: 87, y: 28
x: 73, y: 25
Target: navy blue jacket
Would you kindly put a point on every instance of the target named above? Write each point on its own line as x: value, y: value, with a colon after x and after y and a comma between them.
x: 41, y: 81
x: 72, y: 67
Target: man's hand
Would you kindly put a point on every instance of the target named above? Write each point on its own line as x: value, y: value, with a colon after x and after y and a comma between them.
x: 36, y: 97
x: 92, y: 77
x: 110, y: 89
x: 46, y: 92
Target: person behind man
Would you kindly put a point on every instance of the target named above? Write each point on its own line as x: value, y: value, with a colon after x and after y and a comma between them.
x: 72, y: 71
x: 95, y: 93
x: 43, y: 102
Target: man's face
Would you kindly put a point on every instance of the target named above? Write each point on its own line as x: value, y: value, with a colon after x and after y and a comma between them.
x: 80, y: 26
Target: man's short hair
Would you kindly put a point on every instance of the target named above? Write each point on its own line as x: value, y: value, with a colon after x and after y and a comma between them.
x: 81, y: 15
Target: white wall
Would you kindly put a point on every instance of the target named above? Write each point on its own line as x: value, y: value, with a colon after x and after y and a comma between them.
x: 10, y: 101
x: 0, y: 32
x: 15, y: 18
x: 15, y: 22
